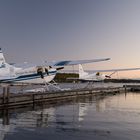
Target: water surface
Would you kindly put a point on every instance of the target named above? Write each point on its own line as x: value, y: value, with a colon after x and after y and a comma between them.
x: 101, y: 118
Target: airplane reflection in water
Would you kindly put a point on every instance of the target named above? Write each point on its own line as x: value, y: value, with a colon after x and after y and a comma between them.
x: 29, y: 119
x: 60, y: 117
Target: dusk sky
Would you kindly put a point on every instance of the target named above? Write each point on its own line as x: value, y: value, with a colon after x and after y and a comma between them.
x: 37, y: 30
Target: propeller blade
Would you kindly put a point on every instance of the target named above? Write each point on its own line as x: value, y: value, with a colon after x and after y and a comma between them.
x: 46, y: 70
x: 107, y: 76
x: 59, y: 68
x: 40, y: 72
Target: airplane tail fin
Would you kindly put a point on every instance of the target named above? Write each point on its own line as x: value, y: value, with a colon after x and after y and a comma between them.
x: 81, y: 71
x: 2, y: 59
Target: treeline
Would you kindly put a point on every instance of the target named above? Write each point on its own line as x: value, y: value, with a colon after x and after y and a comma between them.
x: 65, y: 77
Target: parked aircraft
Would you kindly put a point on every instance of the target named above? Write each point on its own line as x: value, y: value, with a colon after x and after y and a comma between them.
x: 35, y: 73
x: 97, y: 75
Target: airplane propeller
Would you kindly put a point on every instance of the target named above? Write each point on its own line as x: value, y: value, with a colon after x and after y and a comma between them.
x: 46, y: 70
x: 59, y: 68
x: 40, y: 72
x: 107, y: 76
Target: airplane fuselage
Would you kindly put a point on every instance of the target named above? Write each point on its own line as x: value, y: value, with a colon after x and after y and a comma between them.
x: 93, y: 77
x: 26, y: 75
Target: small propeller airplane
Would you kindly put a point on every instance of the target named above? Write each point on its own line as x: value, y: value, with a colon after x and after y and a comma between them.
x: 10, y: 73
x: 97, y: 75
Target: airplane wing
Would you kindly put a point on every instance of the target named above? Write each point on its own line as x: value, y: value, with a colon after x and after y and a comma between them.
x: 74, y: 62
x: 116, y: 70
x: 59, y: 63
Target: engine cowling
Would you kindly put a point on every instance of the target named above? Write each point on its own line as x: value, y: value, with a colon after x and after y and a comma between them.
x: 40, y: 72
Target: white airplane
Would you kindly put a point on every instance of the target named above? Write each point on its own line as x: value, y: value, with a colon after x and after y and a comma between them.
x: 97, y: 75
x: 34, y: 73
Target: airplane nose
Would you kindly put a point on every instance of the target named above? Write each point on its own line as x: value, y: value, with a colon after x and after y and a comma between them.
x: 40, y: 72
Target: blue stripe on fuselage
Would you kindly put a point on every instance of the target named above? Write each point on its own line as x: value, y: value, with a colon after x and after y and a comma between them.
x: 28, y: 77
